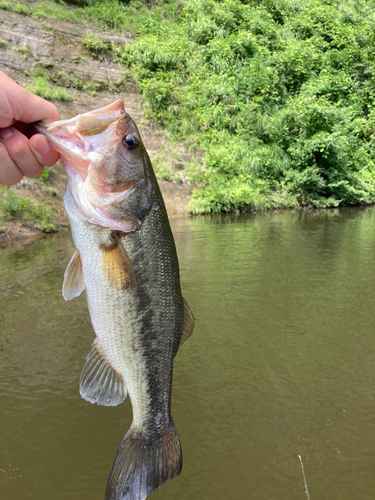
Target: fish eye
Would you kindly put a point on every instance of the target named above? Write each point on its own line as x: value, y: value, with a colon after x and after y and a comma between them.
x: 131, y: 142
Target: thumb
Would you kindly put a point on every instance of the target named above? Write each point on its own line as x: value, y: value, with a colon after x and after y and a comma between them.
x: 28, y: 107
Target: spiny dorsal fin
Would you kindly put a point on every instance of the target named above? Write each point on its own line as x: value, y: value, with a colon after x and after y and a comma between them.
x: 73, y: 278
x: 188, y: 326
x: 99, y: 382
x: 117, y: 266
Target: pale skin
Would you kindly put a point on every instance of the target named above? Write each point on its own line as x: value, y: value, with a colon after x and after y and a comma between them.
x: 20, y: 156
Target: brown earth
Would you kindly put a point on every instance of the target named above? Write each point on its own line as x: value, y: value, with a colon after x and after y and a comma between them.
x: 56, y: 46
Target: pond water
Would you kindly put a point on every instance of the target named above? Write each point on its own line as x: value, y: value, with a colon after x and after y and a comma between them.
x: 281, y: 364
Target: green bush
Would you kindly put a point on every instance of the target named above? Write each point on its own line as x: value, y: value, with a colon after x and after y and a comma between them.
x: 277, y: 96
x: 97, y: 47
x: 28, y: 212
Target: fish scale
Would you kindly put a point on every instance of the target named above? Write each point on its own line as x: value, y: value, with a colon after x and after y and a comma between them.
x: 118, y: 318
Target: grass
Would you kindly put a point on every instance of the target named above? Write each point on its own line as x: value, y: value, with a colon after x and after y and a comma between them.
x: 28, y: 212
x: 24, y: 50
x: 46, y: 174
x: 97, y: 47
x: 52, y: 10
x: 64, y: 80
x: 41, y: 87
x: 43, y: 182
x: 77, y: 58
x: 110, y: 14
x: 21, y: 8
x: 6, y: 5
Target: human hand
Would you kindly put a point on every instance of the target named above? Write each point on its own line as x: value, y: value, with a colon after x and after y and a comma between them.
x: 19, y: 155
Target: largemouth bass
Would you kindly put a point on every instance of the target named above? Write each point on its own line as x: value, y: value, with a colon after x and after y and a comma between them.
x: 126, y: 260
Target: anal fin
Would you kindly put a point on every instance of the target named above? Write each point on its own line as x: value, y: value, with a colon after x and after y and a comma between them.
x: 188, y: 326
x: 99, y: 382
x: 74, y: 283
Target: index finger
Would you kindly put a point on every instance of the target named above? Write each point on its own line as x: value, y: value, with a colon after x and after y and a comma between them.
x: 32, y: 108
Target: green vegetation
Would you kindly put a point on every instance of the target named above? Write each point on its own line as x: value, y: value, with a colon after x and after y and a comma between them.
x: 275, y: 98
x: 24, y: 50
x: 3, y: 44
x: 28, y: 212
x: 46, y: 174
x: 20, y: 8
x: 40, y: 86
x: 6, y: 5
x: 278, y: 96
x: 97, y: 47
x: 43, y: 182
x: 77, y: 58
x: 44, y: 73
x: 65, y: 80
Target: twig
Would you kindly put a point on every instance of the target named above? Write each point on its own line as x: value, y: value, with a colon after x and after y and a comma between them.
x: 304, y: 478
x: 109, y: 75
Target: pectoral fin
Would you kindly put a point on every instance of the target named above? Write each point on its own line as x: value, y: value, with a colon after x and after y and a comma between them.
x: 188, y: 326
x: 99, y: 382
x: 73, y: 278
x: 117, y: 266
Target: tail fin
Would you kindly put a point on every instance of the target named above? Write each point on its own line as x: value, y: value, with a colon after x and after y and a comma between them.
x: 141, y: 465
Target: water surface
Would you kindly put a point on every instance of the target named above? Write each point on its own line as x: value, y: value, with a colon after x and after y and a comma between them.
x: 281, y: 363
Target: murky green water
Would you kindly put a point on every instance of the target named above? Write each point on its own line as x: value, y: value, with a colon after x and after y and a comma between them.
x: 281, y: 363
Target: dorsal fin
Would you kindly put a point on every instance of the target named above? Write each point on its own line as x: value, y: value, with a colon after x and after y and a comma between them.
x: 117, y: 266
x: 188, y: 326
x: 99, y: 382
x: 73, y: 278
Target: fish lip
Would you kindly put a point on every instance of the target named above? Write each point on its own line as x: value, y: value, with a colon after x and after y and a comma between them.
x: 117, y: 105
x: 50, y: 130
x: 41, y: 129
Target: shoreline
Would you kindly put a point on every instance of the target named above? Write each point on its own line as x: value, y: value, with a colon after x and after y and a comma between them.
x: 176, y: 199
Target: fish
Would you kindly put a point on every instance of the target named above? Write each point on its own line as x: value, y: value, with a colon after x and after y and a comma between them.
x: 125, y: 259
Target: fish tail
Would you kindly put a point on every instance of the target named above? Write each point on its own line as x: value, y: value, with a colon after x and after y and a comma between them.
x: 143, y: 464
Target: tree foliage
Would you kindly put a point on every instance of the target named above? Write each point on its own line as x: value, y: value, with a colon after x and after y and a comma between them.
x: 276, y: 95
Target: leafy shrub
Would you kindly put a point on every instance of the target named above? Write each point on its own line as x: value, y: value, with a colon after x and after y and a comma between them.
x: 277, y: 96
x: 29, y: 212
x: 46, y: 174
x: 97, y: 47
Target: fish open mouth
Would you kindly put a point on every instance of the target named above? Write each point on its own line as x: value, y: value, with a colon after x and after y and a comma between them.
x: 78, y: 138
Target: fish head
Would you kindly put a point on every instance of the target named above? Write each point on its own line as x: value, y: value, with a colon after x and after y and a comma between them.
x: 110, y: 175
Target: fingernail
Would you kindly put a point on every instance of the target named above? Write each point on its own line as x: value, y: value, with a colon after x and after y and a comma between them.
x: 5, y: 133
x: 40, y: 146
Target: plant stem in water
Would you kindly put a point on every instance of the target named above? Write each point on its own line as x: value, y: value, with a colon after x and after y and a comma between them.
x: 304, y: 478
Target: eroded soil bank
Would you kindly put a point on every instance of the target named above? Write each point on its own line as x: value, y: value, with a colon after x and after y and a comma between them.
x: 54, y: 49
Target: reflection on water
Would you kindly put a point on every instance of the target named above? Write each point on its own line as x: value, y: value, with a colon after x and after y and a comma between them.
x: 281, y: 363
